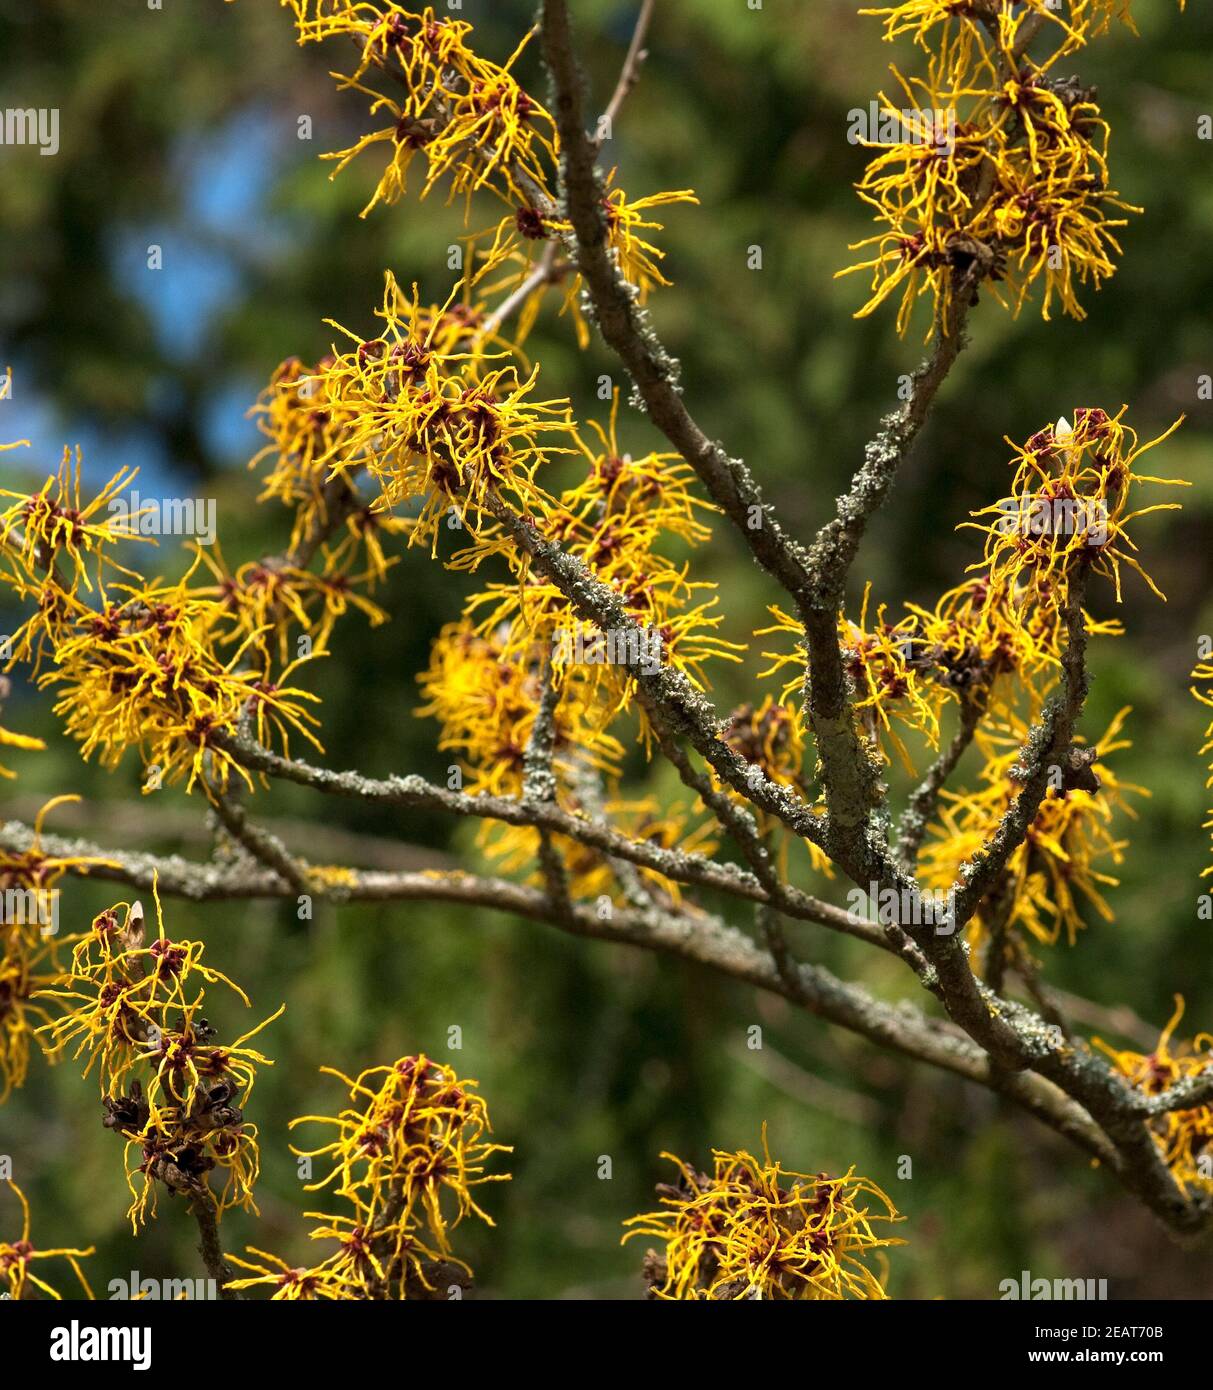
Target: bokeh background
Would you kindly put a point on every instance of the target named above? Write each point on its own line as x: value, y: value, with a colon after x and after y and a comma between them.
x: 179, y: 128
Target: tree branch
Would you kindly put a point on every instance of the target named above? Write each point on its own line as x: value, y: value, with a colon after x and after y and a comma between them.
x: 261, y: 845
x: 210, y: 1246
x: 1046, y: 748
x: 539, y: 784
x: 695, y: 937
x: 627, y: 330
x: 211, y: 881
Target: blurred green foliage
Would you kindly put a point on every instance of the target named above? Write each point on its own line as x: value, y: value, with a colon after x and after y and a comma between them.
x: 179, y: 128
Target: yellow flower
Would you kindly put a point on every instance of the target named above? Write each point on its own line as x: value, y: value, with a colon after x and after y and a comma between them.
x: 17, y: 1258
x: 1057, y: 868
x: 409, y: 1151
x: 1069, y: 502
x: 1078, y: 21
x: 881, y: 663
x: 435, y: 426
x: 985, y: 641
x: 613, y: 522
x: 304, y: 421
x: 302, y: 426
x: 752, y: 1229
x: 418, y: 1135
x: 627, y: 226
x: 996, y: 170
x: 41, y: 531
x: 142, y: 671
x: 18, y: 983
x: 487, y: 702
x: 375, y: 1259
x: 919, y: 17
x: 174, y: 1094
x: 291, y: 1284
x: 1184, y: 1137
x: 467, y: 117
x: 30, y: 945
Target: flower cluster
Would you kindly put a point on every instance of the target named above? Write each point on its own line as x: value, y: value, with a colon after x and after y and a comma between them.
x: 1070, y: 503
x: 469, y: 124
x: 992, y: 170
x: 487, y: 701
x: 407, y: 1155
x: 754, y: 1230
x: 173, y: 1093
x: 466, y: 116
x: 988, y: 640
x: 883, y: 667
x: 30, y: 946
x: 437, y: 426
x: 55, y: 528
x: 442, y: 415
x: 613, y: 522
x: 170, y: 670
x: 304, y: 414
x: 1063, y: 861
x: 488, y: 672
x: 981, y: 645
x: 1184, y: 1136
x: 992, y: 647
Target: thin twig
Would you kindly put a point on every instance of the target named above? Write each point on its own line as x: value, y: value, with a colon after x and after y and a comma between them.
x: 539, y: 784
x: 548, y: 270
x: 210, y: 1246
x: 261, y: 845
x: 629, y: 74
